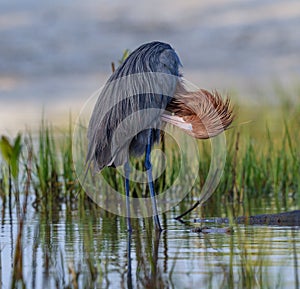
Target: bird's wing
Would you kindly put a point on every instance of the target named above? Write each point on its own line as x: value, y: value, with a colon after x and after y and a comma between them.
x: 120, y: 114
x: 132, y: 100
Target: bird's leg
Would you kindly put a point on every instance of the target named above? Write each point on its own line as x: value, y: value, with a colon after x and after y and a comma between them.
x: 127, y: 173
x: 148, y: 167
x: 129, y: 274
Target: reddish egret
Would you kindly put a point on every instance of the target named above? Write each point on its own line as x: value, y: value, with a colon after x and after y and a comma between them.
x: 157, y: 90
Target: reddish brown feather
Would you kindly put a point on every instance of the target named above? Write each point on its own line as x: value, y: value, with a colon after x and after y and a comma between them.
x: 206, y: 112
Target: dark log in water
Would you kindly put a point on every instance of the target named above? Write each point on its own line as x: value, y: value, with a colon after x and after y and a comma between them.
x: 281, y: 219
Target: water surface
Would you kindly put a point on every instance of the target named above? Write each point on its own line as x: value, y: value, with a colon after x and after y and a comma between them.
x: 97, y: 246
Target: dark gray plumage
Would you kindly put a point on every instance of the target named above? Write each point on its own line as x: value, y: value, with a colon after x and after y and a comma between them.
x: 121, y: 119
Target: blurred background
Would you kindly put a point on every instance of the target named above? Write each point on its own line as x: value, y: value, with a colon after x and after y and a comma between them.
x: 55, y: 54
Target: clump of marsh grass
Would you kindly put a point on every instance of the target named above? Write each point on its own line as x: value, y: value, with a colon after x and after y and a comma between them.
x: 262, y: 167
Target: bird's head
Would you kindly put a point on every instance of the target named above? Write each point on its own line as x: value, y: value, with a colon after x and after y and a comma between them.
x: 169, y: 62
x: 150, y: 57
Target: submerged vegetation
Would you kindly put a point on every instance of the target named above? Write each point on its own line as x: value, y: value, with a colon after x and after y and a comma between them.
x: 37, y: 177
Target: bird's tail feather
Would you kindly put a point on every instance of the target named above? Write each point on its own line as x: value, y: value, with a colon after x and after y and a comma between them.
x: 201, y: 113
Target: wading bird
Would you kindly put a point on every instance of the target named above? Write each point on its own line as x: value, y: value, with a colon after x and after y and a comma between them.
x: 142, y: 94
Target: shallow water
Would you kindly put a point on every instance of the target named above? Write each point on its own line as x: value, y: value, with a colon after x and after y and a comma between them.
x: 58, y: 243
